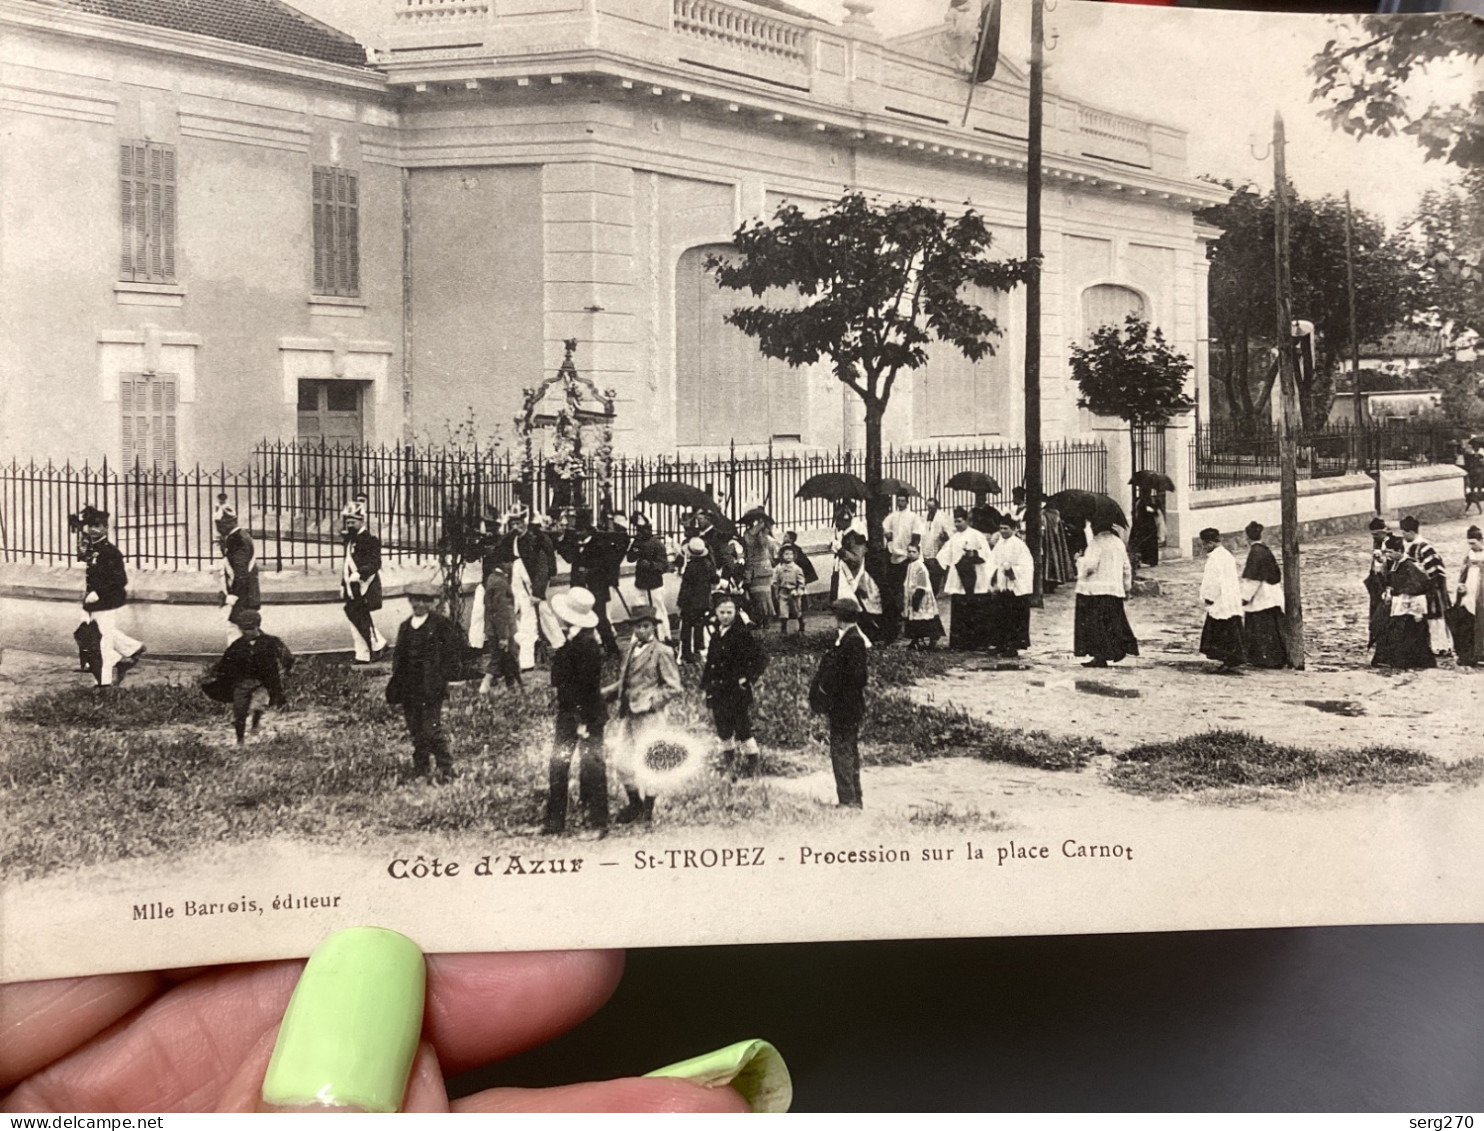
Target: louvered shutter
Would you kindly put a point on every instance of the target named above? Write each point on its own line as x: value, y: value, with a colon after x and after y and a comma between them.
x: 351, y: 280
x: 167, y: 214
x: 126, y: 413
x: 127, y: 192
x: 321, y: 232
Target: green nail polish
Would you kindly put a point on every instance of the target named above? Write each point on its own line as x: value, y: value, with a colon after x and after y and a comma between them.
x: 351, y: 1029
x: 754, y: 1068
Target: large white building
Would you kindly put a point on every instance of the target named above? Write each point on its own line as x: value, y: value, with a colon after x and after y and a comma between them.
x: 218, y: 224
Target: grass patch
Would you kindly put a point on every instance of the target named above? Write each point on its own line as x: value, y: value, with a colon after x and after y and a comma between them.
x: 88, y: 778
x: 1234, y: 759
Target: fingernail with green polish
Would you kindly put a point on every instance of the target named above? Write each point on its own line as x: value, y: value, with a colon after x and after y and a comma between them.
x: 753, y: 1068
x: 350, y: 1032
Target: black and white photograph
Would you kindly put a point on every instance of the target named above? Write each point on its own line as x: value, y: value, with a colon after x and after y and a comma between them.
x: 586, y: 473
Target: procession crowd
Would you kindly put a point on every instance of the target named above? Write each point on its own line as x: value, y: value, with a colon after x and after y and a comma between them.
x: 735, y: 581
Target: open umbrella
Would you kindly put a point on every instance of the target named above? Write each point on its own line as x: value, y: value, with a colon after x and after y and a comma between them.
x: 1077, y: 507
x: 1153, y: 480
x: 832, y: 485
x: 976, y: 481
x: 753, y: 514
x: 670, y: 493
x: 892, y: 487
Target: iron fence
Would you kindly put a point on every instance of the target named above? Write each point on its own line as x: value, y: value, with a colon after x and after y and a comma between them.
x: 291, y: 495
x: 1224, y: 456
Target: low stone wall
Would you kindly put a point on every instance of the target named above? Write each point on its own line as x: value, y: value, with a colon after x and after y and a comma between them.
x: 1332, y: 506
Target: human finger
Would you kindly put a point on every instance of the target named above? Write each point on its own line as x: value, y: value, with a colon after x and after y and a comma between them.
x: 745, y: 1076
x: 40, y: 1022
x: 484, y: 1007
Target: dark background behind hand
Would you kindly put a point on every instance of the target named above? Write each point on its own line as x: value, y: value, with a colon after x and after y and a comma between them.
x: 1326, y: 1019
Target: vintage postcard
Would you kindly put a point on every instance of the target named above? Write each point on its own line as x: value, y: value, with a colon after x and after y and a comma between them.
x: 584, y: 473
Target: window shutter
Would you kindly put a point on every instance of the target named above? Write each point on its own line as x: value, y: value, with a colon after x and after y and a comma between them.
x: 126, y: 409
x: 352, y: 278
x: 321, y: 233
x: 167, y: 387
x: 167, y: 215
x: 126, y: 219
x: 141, y: 213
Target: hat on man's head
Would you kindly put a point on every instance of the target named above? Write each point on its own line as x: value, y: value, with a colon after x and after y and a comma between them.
x: 1210, y: 534
x: 1411, y: 524
x: 1254, y: 530
x: 423, y: 587
x: 644, y: 612
x: 356, y: 508
x: 224, y: 512
x: 1010, y: 521
x: 249, y: 618
x: 1377, y: 523
x: 696, y: 547
x: 1395, y: 542
x: 577, y: 607
x: 915, y: 540
x: 1473, y: 532
x: 961, y: 512
x: 92, y: 516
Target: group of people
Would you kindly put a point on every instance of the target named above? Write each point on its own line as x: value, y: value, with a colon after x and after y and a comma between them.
x: 1412, y: 619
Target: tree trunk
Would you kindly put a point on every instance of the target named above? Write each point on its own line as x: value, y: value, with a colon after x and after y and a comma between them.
x: 876, y: 505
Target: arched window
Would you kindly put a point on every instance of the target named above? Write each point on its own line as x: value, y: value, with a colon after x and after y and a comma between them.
x: 725, y: 389
x: 958, y: 397
x: 1107, y: 304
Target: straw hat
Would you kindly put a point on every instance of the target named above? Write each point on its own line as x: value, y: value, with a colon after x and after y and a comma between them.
x: 423, y: 587
x: 576, y: 607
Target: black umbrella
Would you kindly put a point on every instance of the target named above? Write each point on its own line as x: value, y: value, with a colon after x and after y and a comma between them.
x: 892, y: 487
x: 976, y: 481
x: 832, y: 485
x: 753, y: 514
x: 1077, y: 507
x: 670, y: 493
x: 1153, y: 480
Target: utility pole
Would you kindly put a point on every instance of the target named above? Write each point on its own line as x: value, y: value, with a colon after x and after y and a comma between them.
x: 1288, y: 421
x: 1362, y: 445
x: 1033, y: 484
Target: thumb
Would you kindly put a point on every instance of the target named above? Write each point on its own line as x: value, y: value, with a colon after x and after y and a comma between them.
x: 349, y: 1040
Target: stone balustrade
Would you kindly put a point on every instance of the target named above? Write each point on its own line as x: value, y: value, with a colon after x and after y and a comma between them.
x: 733, y: 27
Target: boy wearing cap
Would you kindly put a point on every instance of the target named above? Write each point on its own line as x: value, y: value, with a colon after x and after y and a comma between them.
x: 428, y: 656
x: 1375, y: 578
x: 360, y: 582
x: 734, y: 661
x: 250, y: 675
x: 577, y: 675
x: 107, y: 593
x: 648, y: 678
x: 240, y: 590
x: 839, y: 691
x: 789, y: 584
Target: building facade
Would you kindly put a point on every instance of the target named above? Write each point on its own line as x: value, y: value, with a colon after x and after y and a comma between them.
x: 208, y: 237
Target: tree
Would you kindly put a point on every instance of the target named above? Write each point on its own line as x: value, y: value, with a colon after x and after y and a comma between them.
x: 1462, y: 385
x: 1242, y: 300
x: 1364, y: 74
x: 1131, y: 372
x: 873, y: 285
x: 1446, y: 244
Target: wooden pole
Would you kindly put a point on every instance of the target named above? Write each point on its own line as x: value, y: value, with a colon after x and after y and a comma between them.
x: 1033, y: 484
x: 1288, y: 419
x: 1361, y: 446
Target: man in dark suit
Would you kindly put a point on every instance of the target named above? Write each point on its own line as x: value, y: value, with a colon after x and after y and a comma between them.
x: 429, y: 654
x: 839, y: 691
x: 734, y: 661
x: 595, y: 557
x: 241, y: 593
x: 577, y: 675
x: 360, y: 583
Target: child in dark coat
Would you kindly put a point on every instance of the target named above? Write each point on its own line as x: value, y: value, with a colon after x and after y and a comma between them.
x: 696, y: 581
x: 839, y: 691
x: 734, y: 661
x: 428, y: 656
x: 250, y: 675
x: 501, y: 653
x: 582, y: 715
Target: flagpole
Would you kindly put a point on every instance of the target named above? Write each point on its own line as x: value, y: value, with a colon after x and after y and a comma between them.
x: 1033, y: 485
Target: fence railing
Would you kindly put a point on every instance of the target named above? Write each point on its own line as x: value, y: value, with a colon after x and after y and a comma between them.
x: 1223, y: 456
x: 290, y: 497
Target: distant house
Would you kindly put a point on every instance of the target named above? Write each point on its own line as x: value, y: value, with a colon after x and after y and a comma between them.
x: 1382, y: 408
x: 1403, y: 351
